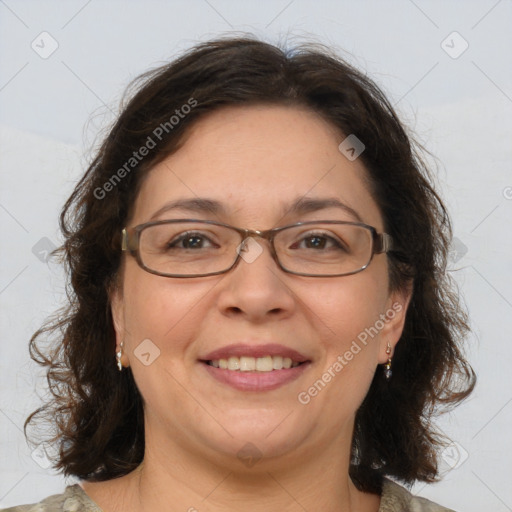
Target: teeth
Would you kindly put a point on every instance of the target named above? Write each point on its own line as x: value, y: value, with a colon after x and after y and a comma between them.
x: 251, y: 364
x: 277, y: 362
x: 247, y: 364
x: 234, y: 363
x: 264, y: 364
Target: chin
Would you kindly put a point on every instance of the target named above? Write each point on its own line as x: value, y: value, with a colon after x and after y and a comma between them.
x: 257, y: 442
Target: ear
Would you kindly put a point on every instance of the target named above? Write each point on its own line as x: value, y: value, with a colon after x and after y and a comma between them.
x: 118, y: 319
x: 395, y: 314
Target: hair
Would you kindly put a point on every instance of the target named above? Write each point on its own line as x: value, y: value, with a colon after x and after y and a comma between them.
x: 97, y: 413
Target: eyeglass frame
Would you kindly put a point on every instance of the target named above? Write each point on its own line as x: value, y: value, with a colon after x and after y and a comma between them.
x: 381, y: 243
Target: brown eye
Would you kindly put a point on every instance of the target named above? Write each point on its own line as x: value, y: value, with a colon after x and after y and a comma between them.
x: 189, y: 241
x: 318, y: 241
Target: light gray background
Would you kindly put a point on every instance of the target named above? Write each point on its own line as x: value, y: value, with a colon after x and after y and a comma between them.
x: 461, y: 108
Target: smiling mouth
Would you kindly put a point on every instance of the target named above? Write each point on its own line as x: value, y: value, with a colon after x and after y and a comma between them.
x: 254, y: 364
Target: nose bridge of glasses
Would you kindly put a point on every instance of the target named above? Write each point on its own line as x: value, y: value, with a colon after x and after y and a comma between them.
x: 251, y: 233
x: 247, y: 234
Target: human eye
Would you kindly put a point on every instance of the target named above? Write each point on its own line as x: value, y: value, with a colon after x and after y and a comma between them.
x: 180, y: 238
x: 320, y: 240
x: 190, y: 240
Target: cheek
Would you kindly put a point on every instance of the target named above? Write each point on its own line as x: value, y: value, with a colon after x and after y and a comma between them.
x: 348, y: 320
x: 167, y: 313
x: 351, y: 306
x: 162, y: 310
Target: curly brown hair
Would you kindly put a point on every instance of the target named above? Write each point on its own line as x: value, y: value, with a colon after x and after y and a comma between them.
x: 97, y: 412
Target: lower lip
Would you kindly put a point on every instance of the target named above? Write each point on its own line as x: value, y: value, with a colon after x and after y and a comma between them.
x: 256, y: 381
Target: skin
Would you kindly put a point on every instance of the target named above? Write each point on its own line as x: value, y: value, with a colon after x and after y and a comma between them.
x: 254, y: 160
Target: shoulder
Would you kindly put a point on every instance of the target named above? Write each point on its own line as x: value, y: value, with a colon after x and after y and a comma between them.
x: 396, y: 498
x: 73, y: 499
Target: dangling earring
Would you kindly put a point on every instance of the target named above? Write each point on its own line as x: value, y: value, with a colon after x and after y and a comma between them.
x: 119, y: 354
x: 387, y: 366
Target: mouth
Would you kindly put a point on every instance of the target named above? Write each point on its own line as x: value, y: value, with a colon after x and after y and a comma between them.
x: 254, y: 364
x: 255, y: 368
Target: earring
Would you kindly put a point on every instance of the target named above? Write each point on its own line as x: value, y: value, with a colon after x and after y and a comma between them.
x: 387, y: 367
x: 119, y: 355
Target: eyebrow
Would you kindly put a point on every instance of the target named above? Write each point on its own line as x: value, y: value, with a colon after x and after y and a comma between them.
x: 299, y: 206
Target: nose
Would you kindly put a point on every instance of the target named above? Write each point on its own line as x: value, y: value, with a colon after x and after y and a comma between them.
x: 256, y: 288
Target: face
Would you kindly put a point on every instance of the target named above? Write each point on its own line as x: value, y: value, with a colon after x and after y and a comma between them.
x: 256, y: 162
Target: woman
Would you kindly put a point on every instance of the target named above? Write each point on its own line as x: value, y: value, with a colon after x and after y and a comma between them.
x: 260, y: 314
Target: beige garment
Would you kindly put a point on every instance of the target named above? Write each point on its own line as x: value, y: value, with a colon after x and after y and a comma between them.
x: 394, y: 499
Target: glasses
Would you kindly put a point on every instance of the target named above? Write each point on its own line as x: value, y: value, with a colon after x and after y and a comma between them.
x: 194, y: 248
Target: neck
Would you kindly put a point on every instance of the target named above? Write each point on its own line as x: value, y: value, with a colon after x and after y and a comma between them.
x: 313, y: 480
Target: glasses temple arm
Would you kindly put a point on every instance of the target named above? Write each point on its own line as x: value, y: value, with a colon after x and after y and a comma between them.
x: 127, y: 242
x: 384, y: 243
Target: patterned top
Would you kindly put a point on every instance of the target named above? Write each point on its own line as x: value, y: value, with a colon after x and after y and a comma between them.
x: 395, y: 498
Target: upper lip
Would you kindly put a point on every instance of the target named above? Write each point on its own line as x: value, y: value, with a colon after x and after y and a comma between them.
x: 243, y: 349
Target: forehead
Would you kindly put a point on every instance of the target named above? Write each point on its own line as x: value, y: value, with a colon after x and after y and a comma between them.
x: 256, y: 161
